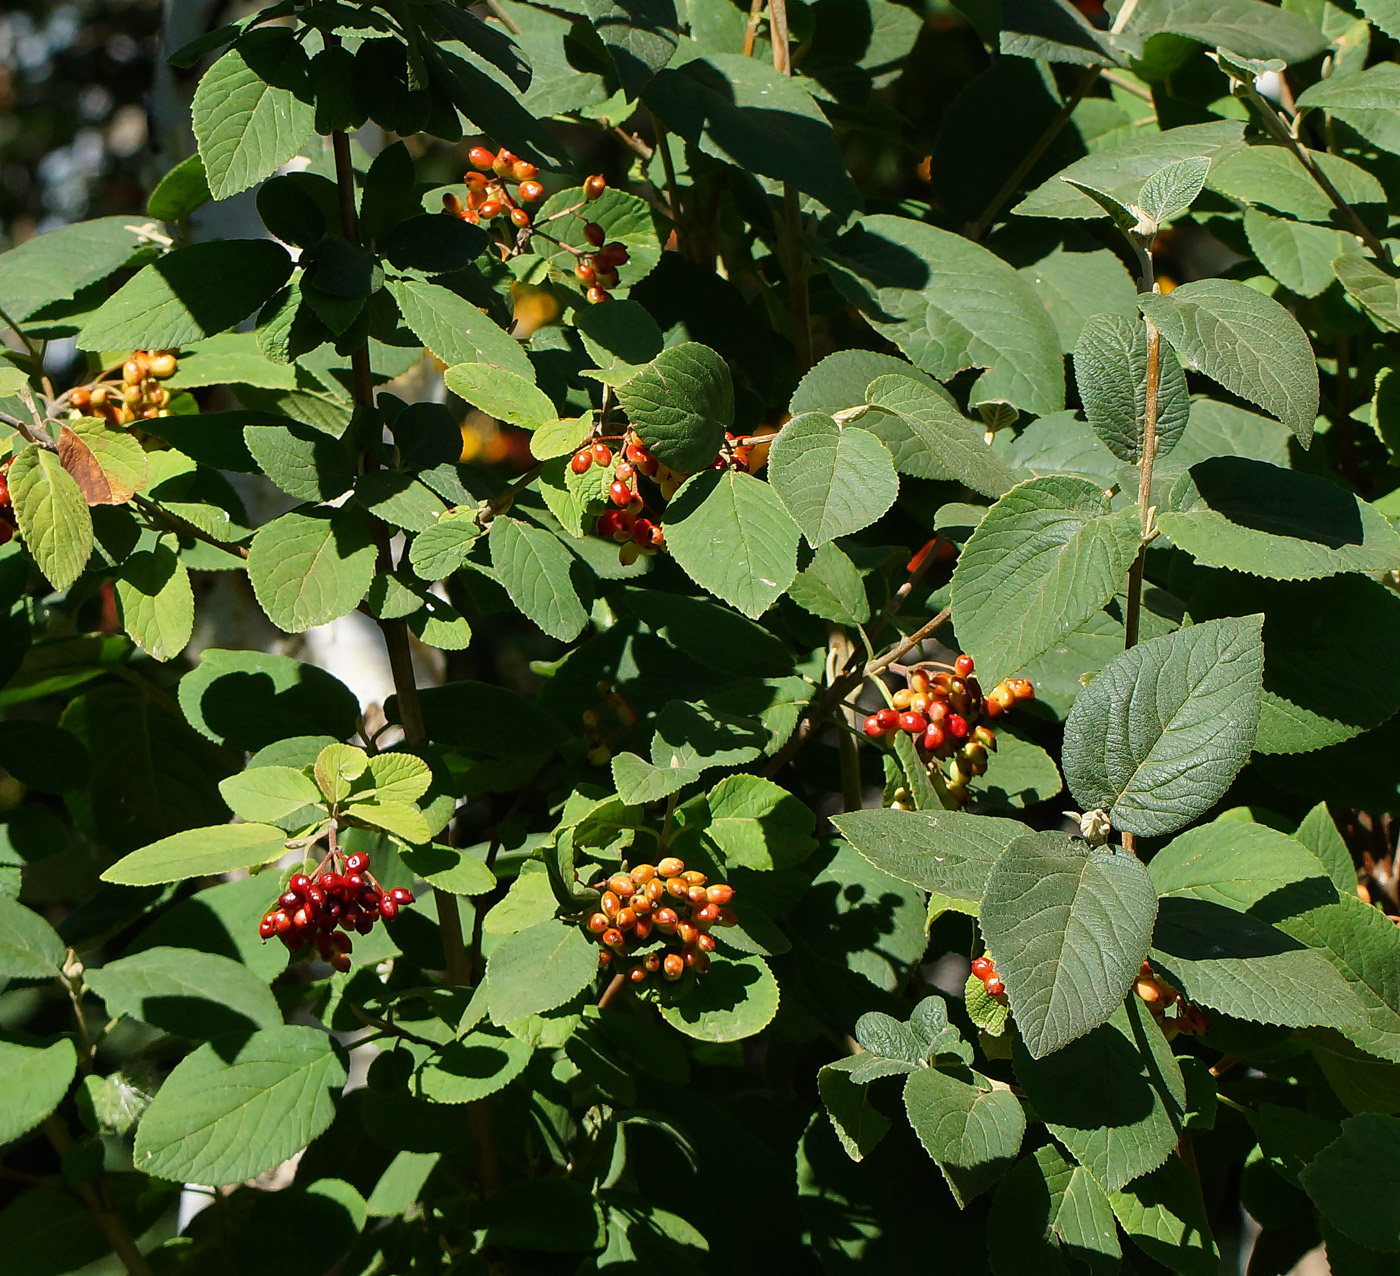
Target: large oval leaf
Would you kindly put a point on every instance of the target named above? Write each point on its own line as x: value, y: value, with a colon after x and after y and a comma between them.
x: 225, y: 1117
x: 833, y: 481
x: 1160, y: 733
x: 1046, y: 557
x: 311, y: 566
x: 1244, y: 340
x: 1069, y: 927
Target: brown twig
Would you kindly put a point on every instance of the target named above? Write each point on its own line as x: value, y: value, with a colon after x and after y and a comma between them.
x: 184, y: 527
x: 751, y: 30
x: 97, y: 1202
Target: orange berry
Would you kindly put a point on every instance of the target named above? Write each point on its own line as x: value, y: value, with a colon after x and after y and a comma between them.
x: 594, y: 186
x: 670, y: 866
x: 481, y: 158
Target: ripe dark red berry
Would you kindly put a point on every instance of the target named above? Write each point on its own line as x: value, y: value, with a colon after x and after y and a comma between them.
x: 581, y: 462
x: 594, y: 186
x: 888, y: 719
x: 956, y: 726
x: 994, y: 986
x: 602, y: 454
x: 963, y: 666
x: 872, y: 727
x: 913, y: 723
x: 594, y: 233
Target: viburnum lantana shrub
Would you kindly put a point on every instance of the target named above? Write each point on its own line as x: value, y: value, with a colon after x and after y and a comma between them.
x: 894, y: 764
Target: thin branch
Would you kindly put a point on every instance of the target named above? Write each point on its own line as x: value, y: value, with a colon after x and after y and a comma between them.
x: 1279, y: 128
x: 751, y: 30
x: 36, y: 354
x: 174, y: 523
x: 976, y: 229
x: 96, y: 1200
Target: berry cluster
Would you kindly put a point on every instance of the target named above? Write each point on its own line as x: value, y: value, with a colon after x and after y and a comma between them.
x: 342, y: 894
x: 8, y: 523
x: 139, y: 396
x: 1159, y: 997
x: 657, y: 903
x: 597, y: 270
x: 985, y: 970
x: 627, y: 522
x: 489, y: 196
x: 943, y: 712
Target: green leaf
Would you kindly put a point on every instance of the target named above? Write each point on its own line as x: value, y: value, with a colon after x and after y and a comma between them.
x: 1376, y: 292
x: 252, y: 110
x: 35, y: 1079
x: 434, y: 243
x: 971, y: 1130
x: 191, y: 994
x: 250, y: 699
x: 190, y: 293
x: 1272, y: 176
x: 1120, y: 170
x: 1320, y: 835
x: 834, y: 481
x: 934, y: 430
x: 199, y: 853
x: 1308, y: 705
x: 223, y: 1120
x: 892, y: 1047
x: 858, y: 1125
x: 1048, y: 556
x: 1364, y: 946
x: 1110, y: 367
x: 267, y: 793
x: 1368, y: 1152
x: 1163, y: 1215
x: 1171, y: 190
x: 337, y: 767
x: 29, y: 947
x: 1047, y: 1210
x: 831, y: 587
x: 537, y: 572
x: 731, y: 535
x: 1298, y: 255
x: 56, y: 265
x: 620, y: 334
x: 626, y: 219
x: 1070, y: 927
x: 1240, y: 966
x: 1075, y: 286
x: 640, y: 782
x: 470, y: 1069
x: 399, y: 777
x: 311, y: 566
x: 1366, y: 100
x: 1114, y: 1098
x: 398, y: 818
x: 754, y: 823
x: 440, y: 549
x: 53, y: 516
x: 1253, y: 517
x: 947, y: 852
x: 1244, y: 340
x: 1021, y: 774
x: 1238, y: 865
x: 972, y: 311
x: 537, y: 969
x: 155, y: 601
x: 180, y: 192
x: 397, y: 497
x: 502, y: 394
x: 742, y: 111
x: 680, y: 404
x: 445, y: 869
x: 303, y: 461
x: 733, y: 1000
x: 1157, y: 763
x: 455, y: 330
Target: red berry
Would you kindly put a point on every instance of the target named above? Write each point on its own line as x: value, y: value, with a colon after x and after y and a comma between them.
x: 673, y: 967
x: 963, y: 666
x: 401, y: 897
x: 888, y: 719
x: 619, y: 492
x: 994, y: 986
x: 594, y: 233
x: 956, y: 726
x: 982, y: 967
x: 388, y: 910
x: 491, y: 208
x: 524, y: 171
x: 585, y: 272
x: 596, y: 294
x: 581, y: 462
x: 519, y: 217
x: 933, y: 737
x: 913, y: 723
x: 356, y: 863
x: 530, y: 191
x: 594, y: 186
x: 289, y: 899
x: 614, y: 939
x: 602, y: 453
x: 300, y: 883
x: 340, y: 962
x: 872, y: 727
x: 481, y: 158
x: 267, y: 928
x: 637, y: 974
x: 706, y: 943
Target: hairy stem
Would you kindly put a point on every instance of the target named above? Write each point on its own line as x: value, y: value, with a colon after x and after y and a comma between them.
x: 1133, y: 611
